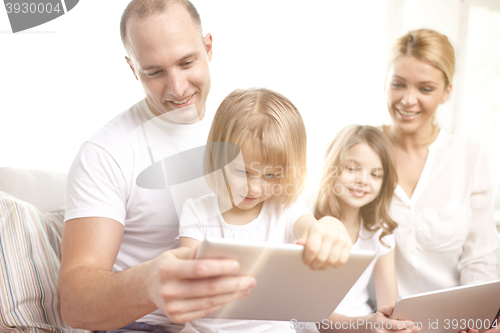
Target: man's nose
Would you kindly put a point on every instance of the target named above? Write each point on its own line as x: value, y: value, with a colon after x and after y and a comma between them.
x: 176, y: 84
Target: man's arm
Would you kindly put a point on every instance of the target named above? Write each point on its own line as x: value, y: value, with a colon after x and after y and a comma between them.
x: 94, y: 297
x: 190, y: 243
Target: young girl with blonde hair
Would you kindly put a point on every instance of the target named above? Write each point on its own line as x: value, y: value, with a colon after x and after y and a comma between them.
x: 257, y: 197
x: 357, y: 184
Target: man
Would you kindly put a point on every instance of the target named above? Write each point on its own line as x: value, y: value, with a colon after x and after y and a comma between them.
x: 119, y: 264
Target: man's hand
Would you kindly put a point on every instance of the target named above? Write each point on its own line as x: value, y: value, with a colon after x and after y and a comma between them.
x: 186, y: 289
x: 327, y: 243
x: 94, y: 297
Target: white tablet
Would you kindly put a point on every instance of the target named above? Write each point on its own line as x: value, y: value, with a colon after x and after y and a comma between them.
x: 452, y: 310
x: 286, y: 288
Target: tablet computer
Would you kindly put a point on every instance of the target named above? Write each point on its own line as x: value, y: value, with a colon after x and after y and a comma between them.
x: 286, y: 288
x: 452, y: 310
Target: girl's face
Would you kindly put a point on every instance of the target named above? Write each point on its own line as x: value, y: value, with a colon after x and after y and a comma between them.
x: 414, y: 91
x: 253, y: 182
x: 361, y: 178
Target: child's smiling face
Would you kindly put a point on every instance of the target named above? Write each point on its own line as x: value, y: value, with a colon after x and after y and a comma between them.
x: 253, y: 181
x: 361, y: 178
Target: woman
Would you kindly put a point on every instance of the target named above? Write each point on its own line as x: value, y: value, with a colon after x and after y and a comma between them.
x: 443, y: 203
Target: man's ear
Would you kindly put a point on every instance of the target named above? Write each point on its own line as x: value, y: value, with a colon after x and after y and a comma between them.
x: 208, y: 45
x: 447, y: 93
x: 129, y: 62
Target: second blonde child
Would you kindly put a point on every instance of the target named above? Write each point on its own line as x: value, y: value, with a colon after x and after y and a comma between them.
x: 357, y: 185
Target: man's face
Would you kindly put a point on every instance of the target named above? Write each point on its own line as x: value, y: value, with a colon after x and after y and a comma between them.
x: 170, y: 58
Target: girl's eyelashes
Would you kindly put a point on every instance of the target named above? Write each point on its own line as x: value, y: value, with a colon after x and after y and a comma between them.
x: 270, y: 175
x: 351, y: 168
x: 240, y: 171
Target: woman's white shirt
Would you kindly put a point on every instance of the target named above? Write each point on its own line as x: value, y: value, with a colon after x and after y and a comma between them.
x: 446, y: 235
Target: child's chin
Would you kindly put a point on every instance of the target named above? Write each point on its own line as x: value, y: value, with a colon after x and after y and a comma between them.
x: 357, y: 203
x: 245, y: 207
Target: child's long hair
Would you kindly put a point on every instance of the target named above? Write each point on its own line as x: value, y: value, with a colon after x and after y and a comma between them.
x: 375, y: 214
x: 272, y: 126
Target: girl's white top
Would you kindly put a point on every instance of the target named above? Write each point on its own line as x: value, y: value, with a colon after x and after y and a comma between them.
x: 446, y: 235
x: 202, y: 217
x: 355, y: 303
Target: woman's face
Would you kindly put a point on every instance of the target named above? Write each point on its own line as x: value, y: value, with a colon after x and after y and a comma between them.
x: 414, y: 90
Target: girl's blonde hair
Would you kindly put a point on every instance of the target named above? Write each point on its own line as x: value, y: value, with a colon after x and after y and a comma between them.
x: 375, y: 214
x: 428, y: 46
x: 271, y: 125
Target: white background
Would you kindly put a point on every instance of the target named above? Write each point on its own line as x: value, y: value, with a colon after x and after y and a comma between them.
x: 62, y: 81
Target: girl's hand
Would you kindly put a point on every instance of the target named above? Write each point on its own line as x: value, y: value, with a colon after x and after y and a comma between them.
x: 327, y: 243
x: 380, y: 322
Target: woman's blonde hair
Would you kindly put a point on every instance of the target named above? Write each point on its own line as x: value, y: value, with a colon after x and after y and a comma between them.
x: 271, y: 125
x: 428, y: 46
x: 375, y: 214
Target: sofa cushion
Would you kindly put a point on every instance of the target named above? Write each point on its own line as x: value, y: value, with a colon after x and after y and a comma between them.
x: 44, y: 189
x: 29, y: 268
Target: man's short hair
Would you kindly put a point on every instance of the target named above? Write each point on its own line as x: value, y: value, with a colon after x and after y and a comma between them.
x: 142, y: 9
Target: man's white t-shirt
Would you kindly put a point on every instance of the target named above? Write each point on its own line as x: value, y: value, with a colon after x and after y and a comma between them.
x: 202, y: 217
x: 102, y: 183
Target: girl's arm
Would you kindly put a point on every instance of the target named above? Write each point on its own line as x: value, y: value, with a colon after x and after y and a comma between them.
x: 326, y: 241
x: 190, y: 242
x: 384, y: 276
x: 378, y: 322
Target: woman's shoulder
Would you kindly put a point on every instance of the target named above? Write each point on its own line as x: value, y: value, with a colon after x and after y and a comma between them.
x: 455, y: 141
x: 455, y: 152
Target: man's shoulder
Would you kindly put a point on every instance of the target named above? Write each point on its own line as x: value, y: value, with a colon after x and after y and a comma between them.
x: 122, y: 126
x: 204, y: 202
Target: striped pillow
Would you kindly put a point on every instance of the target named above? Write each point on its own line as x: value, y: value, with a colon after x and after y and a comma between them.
x: 29, y: 268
